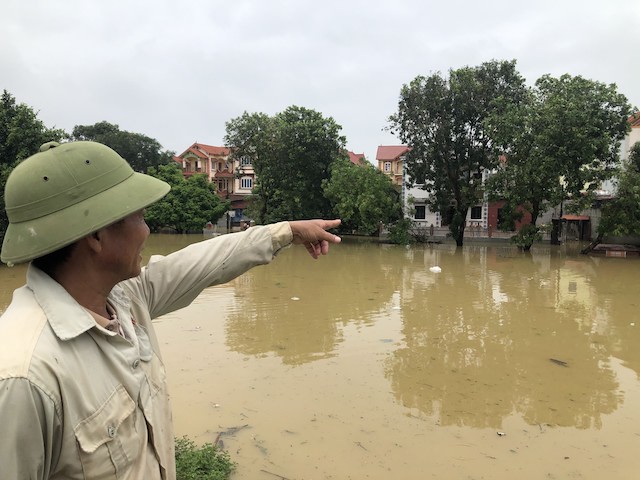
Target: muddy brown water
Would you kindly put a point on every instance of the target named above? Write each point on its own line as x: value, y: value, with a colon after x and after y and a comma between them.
x: 367, y: 365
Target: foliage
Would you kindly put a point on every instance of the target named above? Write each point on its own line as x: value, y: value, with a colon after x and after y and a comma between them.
x: 361, y: 196
x: 563, y: 137
x: 527, y: 236
x: 21, y: 134
x: 621, y: 216
x: 140, y: 151
x: 203, y: 463
x: 189, y: 205
x: 291, y: 153
x: 400, y: 232
x: 444, y: 122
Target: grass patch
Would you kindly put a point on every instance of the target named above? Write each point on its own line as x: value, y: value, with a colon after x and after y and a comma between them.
x: 201, y: 463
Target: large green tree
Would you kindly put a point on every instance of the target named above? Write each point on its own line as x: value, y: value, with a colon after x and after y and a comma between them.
x: 444, y: 121
x: 189, y: 205
x: 141, y: 151
x: 621, y: 216
x: 291, y: 153
x: 560, y: 144
x: 21, y: 134
x: 362, y: 196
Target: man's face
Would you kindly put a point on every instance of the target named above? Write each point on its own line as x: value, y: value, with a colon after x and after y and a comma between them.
x: 123, y: 245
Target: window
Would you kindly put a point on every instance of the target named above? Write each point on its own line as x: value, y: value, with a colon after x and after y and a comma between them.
x: 245, y: 161
x: 387, y: 166
x: 246, y: 183
x: 223, y: 185
x: 476, y: 213
x: 421, y: 212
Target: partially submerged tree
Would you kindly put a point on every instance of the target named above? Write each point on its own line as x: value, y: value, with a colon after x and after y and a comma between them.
x: 189, y: 205
x: 362, y: 197
x: 444, y: 121
x: 141, y: 151
x: 291, y: 154
x: 560, y: 144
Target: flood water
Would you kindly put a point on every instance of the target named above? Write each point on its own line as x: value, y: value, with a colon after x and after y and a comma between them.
x: 366, y: 365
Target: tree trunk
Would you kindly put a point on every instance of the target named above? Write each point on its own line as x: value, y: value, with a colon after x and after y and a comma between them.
x: 457, y: 227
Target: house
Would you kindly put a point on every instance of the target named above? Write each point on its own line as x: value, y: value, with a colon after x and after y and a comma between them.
x: 483, y: 219
x: 390, y: 160
x: 233, y: 178
x: 357, y: 158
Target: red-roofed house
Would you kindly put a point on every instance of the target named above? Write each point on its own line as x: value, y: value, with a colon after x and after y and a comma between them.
x: 390, y: 161
x: 233, y: 179
x: 357, y: 158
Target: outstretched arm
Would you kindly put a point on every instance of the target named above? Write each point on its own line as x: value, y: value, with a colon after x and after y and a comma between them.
x: 314, y: 236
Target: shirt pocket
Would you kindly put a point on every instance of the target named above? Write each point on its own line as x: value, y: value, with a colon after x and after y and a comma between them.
x: 108, y: 441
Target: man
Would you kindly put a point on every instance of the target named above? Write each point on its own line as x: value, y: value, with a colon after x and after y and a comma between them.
x: 83, y: 393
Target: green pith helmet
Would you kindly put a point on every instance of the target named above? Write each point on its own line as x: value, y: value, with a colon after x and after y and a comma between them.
x: 67, y: 191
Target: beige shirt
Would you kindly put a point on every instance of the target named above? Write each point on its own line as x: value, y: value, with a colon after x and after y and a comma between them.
x: 80, y: 402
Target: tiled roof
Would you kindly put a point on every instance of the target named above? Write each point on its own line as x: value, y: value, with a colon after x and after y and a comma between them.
x: 391, y: 152
x: 201, y: 150
x: 194, y: 151
x: 223, y: 174
x: 211, y: 150
x: 634, y: 120
x: 356, y: 158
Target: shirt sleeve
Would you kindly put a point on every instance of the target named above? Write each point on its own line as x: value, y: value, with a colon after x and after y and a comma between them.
x: 172, y: 282
x: 31, y: 431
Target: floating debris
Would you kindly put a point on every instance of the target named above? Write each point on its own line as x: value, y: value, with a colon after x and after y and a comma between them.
x: 295, y: 298
x: 501, y: 434
x: 435, y: 269
x: 562, y: 363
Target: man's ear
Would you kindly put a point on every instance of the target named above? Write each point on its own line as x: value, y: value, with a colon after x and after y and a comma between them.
x: 94, y: 241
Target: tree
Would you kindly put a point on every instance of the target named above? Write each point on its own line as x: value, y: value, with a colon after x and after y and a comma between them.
x: 564, y: 137
x: 21, y: 135
x: 363, y: 197
x: 621, y: 216
x: 139, y: 150
x: 189, y: 205
x: 444, y: 122
x: 291, y: 153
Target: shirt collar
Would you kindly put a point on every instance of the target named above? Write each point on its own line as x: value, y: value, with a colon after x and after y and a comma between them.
x: 67, y: 317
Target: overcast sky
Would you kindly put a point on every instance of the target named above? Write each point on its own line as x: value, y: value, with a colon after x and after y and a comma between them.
x: 178, y: 70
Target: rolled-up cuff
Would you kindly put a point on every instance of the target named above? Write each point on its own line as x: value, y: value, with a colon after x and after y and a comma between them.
x: 281, y: 236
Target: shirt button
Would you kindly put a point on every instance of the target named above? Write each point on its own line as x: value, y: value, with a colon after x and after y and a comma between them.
x: 135, y: 363
x: 111, y: 431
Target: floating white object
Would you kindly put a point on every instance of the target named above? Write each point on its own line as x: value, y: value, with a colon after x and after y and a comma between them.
x: 435, y: 269
x: 295, y: 298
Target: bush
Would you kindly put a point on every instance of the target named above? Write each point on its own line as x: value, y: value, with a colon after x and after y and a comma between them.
x: 203, y: 463
x: 399, y: 233
x: 526, y: 237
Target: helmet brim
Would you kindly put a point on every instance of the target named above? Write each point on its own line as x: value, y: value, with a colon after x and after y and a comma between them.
x: 35, y: 238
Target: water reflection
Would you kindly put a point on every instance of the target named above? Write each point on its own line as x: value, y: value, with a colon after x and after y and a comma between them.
x: 495, y: 334
x: 295, y: 308
x: 481, y: 339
